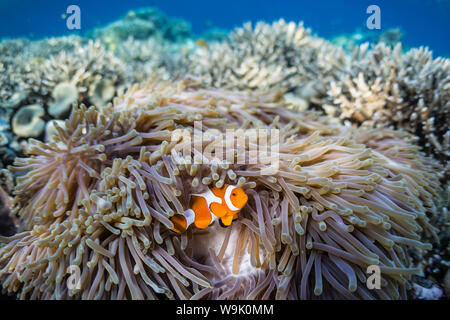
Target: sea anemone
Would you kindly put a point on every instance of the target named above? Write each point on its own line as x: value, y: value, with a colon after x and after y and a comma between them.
x: 99, y: 195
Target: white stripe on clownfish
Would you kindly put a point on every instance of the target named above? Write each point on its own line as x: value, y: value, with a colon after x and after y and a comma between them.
x: 227, y: 198
x: 189, y: 214
x: 210, y: 198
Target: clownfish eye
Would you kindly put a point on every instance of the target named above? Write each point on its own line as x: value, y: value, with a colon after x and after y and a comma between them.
x: 233, y: 194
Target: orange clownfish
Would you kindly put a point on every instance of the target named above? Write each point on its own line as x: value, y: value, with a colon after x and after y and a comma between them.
x: 217, y: 203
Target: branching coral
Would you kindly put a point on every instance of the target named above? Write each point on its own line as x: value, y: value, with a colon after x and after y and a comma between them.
x: 368, y: 104
x: 17, y: 60
x: 153, y: 57
x: 142, y: 24
x: 33, y: 78
x: 85, y: 68
x: 99, y: 196
x: 377, y: 86
x: 386, y: 87
x: 279, y: 55
x: 52, y: 73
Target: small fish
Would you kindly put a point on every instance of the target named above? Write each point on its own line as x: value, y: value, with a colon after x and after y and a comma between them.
x: 217, y: 203
x: 202, y: 43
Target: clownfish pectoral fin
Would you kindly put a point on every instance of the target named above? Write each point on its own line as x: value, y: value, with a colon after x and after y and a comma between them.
x: 227, y: 220
x: 221, y: 224
x: 202, y: 215
x: 218, y: 209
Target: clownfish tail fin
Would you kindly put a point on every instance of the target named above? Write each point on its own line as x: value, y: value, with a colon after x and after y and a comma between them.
x: 182, y: 221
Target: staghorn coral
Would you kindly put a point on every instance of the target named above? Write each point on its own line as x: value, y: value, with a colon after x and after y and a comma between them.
x: 99, y: 194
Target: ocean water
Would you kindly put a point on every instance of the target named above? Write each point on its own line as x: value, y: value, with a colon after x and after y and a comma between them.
x: 422, y: 22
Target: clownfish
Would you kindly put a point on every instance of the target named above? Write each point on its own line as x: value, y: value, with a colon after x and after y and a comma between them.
x: 217, y: 203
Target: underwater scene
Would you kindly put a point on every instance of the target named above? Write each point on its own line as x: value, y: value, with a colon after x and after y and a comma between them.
x: 236, y: 150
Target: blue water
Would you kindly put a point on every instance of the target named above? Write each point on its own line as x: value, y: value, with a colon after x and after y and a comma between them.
x: 423, y: 22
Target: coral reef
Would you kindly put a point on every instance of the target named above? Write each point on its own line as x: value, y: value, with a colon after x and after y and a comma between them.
x: 152, y: 57
x: 50, y: 75
x: 56, y: 72
x: 17, y: 61
x: 96, y: 188
x: 373, y: 86
x: 142, y: 24
x: 282, y: 55
x: 86, y: 68
x: 385, y: 87
x: 390, y: 37
x: 99, y: 195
